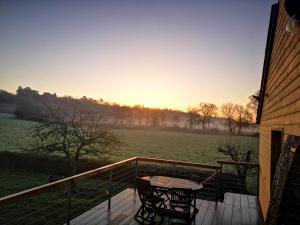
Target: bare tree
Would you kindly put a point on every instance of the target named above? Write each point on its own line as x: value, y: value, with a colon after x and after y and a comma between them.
x: 207, y: 111
x: 240, y: 115
x: 243, y: 117
x: 252, y: 105
x: 238, y: 152
x: 228, y: 110
x: 75, y: 135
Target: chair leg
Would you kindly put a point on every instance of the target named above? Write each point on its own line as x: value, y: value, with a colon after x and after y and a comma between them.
x: 137, y: 213
x: 142, y: 218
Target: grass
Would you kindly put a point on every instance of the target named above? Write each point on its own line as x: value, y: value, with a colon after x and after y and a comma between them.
x: 14, y: 134
x: 201, y: 148
x: 13, y: 181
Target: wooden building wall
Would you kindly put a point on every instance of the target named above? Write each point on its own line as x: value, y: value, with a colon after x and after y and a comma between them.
x: 281, y: 107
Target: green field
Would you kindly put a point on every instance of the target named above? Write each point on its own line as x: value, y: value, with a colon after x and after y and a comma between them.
x: 13, y: 181
x: 201, y: 148
x: 14, y: 135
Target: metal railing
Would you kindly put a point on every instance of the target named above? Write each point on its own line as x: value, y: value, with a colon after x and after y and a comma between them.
x: 239, y: 177
x: 61, y: 201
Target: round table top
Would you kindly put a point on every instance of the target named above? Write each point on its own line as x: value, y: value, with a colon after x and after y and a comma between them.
x: 172, y: 182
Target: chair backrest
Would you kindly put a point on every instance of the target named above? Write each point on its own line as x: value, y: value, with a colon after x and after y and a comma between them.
x: 196, y: 178
x: 144, y: 189
x: 182, y: 198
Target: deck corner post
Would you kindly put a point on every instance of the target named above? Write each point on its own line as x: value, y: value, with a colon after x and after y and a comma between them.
x: 109, y: 188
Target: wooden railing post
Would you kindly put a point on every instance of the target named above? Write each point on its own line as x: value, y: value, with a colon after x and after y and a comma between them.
x: 135, y: 173
x: 173, y: 169
x: 221, y: 182
x: 257, y: 182
x: 218, y: 184
x: 69, y: 201
x: 109, y: 188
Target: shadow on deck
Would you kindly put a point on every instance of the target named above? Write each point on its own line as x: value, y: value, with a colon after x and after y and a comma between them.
x: 236, y: 209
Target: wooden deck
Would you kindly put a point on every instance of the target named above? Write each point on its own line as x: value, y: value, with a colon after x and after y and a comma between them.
x: 236, y: 209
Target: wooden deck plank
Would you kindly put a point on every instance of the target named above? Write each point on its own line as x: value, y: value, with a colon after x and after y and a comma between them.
x: 119, y: 209
x: 253, y: 216
x: 228, y: 206
x: 229, y: 198
x: 252, y: 201
x: 236, y: 209
x: 218, y: 215
x: 201, y: 214
x: 209, y: 216
x: 244, y: 200
x: 101, y: 212
x: 245, y: 212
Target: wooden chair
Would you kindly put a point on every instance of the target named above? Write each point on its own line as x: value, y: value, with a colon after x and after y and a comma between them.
x: 160, y: 191
x: 181, y: 209
x: 150, y: 203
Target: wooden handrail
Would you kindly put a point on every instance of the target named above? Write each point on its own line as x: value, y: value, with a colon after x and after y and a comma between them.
x: 211, y: 177
x: 181, y: 163
x: 238, y: 163
x: 63, y: 182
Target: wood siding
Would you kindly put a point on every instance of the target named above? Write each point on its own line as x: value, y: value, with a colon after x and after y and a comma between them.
x: 281, y: 107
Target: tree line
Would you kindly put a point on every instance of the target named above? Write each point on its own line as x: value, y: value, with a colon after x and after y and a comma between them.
x: 31, y: 105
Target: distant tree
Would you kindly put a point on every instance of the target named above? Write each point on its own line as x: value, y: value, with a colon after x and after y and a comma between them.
x: 192, y: 114
x: 75, y: 133
x: 154, y: 118
x: 163, y: 115
x: 29, y: 104
x: 228, y: 110
x: 207, y: 111
x: 6, y: 97
x: 27, y: 91
x: 121, y: 113
x: 212, y: 112
x: 240, y: 117
x: 138, y: 114
x: 175, y: 118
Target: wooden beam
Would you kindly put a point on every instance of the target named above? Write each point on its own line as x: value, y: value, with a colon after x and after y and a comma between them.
x: 181, y: 163
x: 282, y: 169
x: 238, y: 163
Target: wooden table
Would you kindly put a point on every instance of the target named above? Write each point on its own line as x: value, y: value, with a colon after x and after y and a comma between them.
x: 172, y: 182
x: 164, y: 184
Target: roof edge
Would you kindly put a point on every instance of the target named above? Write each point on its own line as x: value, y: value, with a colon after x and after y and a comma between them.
x: 267, y: 59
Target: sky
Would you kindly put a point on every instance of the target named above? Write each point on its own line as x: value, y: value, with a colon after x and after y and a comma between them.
x: 160, y: 53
